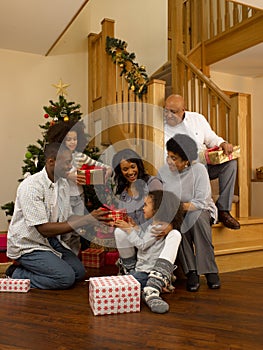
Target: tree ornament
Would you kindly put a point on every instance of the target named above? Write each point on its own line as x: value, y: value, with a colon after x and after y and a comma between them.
x: 28, y: 155
x: 55, y: 119
x: 46, y: 115
x: 52, y: 123
x: 66, y: 118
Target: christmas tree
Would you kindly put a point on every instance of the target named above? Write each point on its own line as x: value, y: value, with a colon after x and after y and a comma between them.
x: 61, y: 111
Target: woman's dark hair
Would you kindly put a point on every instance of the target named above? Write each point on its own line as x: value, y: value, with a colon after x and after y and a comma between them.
x: 58, y: 132
x: 184, y: 146
x: 133, y: 157
x: 167, y: 208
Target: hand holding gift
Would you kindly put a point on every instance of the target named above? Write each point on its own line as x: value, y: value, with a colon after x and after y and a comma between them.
x: 227, y: 148
x: 217, y: 155
x: 102, y: 215
x: 115, y: 214
x: 126, y: 226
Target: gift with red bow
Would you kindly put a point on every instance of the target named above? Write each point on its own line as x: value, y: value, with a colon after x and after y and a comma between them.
x: 216, y: 155
x: 95, y: 175
x: 114, y: 213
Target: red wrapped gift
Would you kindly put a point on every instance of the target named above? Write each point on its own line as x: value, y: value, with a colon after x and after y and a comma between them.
x: 115, y: 214
x: 114, y: 294
x: 14, y: 285
x: 3, y: 241
x: 111, y: 257
x: 3, y: 256
x: 94, y: 175
x: 93, y: 257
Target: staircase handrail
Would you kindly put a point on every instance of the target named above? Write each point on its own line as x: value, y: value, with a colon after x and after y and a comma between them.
x: 209, y: 83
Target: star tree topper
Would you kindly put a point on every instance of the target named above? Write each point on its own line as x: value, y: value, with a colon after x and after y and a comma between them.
x: 61, y: 88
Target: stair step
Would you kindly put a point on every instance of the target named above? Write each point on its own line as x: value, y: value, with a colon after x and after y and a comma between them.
x: 239, y: 249
x: 250, y: 229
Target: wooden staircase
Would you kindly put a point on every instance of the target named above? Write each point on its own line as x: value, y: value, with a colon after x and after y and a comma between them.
x: 186, y: 73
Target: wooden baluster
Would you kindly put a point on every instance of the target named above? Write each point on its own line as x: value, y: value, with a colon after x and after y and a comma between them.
x: 188, y: 27
x: 211, y: 16
x: 205, y: 100
x: 235, y: 14
x: 132, y: 115
x: 227, y: 15
x: 245, y: 12
x: 219, y: 18
x: 222, y: 121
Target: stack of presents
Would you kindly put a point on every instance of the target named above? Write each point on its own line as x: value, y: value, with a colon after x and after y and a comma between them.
x: 102, y: 250
x: 110, y: 294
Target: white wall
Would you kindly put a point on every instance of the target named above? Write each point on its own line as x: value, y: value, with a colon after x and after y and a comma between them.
x: 142, y: 24
x: 26, y: 86
x: 26, y: 79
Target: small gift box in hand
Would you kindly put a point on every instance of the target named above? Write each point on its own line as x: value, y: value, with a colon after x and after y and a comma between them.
x: 115, y: 214
x: 94, y: 175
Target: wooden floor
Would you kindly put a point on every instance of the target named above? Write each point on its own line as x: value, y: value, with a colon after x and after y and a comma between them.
x: 229, y: 318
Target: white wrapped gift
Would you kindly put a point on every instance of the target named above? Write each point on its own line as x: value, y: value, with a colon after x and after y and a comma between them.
x: 114, y: 294
x: 14, y: 285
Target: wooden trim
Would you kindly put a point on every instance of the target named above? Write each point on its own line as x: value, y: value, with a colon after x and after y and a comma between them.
x: 230, y: 43
x: 67, y: 27
x: 240, y: 114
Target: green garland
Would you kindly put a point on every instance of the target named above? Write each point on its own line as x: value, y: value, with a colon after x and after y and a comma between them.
x: 135, y: 75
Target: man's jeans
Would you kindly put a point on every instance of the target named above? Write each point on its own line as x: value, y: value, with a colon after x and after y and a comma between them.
x: 48, y: 271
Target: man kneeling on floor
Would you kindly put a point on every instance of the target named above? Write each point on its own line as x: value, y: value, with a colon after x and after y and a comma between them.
x: 42, y: 214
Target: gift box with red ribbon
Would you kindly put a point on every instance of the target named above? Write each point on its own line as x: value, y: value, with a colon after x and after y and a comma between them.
x: 94, y: 175
x: 114, y: 213
x: 93, y: 257
x: 114, y: 294
x: 14, y: 285
x: 216, y: 155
